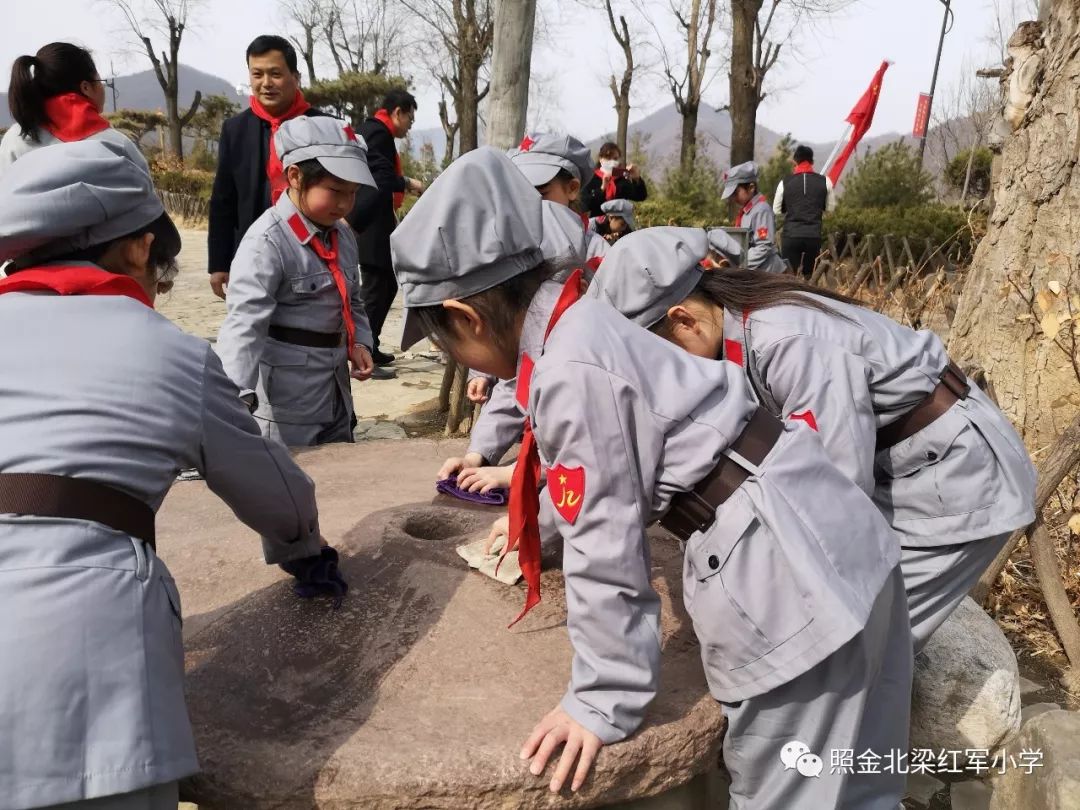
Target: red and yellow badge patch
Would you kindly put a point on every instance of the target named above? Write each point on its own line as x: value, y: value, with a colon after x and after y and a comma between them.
x: 763, y: 234
x: 567, y: 490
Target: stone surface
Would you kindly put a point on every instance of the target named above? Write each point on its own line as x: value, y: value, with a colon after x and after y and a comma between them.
x: 413, y: 694
x: 921, y: 787
x: 966, y: 692
x: 972, y: 795
x: 1029, y: 687
x: 372, y: 430
x: 1055, y: 785
x: 1035, y: 709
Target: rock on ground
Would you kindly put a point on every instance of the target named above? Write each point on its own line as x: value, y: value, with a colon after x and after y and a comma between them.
x: 1055, y: 785
x: 966, y: 692
x: 413, y: 693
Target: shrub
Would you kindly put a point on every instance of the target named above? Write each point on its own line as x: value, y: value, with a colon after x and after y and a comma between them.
x: 889, y: 177
x: 956, y: 171
x: 192, y: 182
x: 934, y: 221
x: 689, y: 199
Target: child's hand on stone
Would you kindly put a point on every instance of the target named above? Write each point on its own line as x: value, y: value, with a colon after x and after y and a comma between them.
x: 484, y: 479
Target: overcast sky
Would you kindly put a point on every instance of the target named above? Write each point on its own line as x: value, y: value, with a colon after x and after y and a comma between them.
x: 821, y: 74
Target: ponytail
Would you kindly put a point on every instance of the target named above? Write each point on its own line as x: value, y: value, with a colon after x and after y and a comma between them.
x: 751, y: 290
x: 57, y: 68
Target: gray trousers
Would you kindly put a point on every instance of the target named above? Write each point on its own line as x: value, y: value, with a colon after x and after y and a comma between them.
x: 936, y: 578
x: 857, y: 699
x: 158, y: 797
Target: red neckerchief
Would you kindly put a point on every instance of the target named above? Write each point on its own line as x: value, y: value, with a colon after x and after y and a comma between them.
x: 74, y: 280
x: 747, y: 207
x: 806, y: 167
x: 274, y: 170
x: 330, y: 256
x: 73, y: 117
x: 383, y: 117
x: 608, y: 182
x: 525, y: 485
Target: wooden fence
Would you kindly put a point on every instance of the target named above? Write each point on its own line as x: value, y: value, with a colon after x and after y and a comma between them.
x: 186, y: 208
x: 913, y: 281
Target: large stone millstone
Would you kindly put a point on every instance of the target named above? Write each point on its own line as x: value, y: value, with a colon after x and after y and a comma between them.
x: 414, y: 693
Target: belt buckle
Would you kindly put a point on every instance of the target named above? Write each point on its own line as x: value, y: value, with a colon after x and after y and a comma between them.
x: 955, y: 380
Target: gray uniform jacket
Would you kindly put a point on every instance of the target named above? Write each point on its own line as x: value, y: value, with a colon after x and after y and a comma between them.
x: 964, y: 477
x: 784, y: 577
x: 761, y: 222
x: 501, y: 421
x: 277, y: 279
x: 13, y: 145
x: 104, y: 388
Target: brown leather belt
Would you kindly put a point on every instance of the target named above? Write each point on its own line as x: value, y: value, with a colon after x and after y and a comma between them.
x: 695, y: 511
x: 953, y: 386
x: 76, y: 499
x: 305, y: 337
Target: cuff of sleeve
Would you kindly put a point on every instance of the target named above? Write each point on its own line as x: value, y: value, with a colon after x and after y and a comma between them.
x: 308, y: 546
x: 591, y: 720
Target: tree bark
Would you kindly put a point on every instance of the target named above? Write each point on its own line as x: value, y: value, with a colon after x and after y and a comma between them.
x: 511, y: 59
x: 688, y: 141
x: 743, y: 89
x: 468, y: 108
x: 1009, y: 319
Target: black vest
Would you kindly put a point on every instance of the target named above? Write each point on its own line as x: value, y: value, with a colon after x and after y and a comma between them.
x: 805, y: 198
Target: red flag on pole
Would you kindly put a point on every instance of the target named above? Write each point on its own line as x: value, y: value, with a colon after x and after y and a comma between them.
x: 860, y: 118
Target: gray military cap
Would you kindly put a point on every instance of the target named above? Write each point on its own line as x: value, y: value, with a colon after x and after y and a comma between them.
x: 620, y: 208
x: 540, y: 155
x: 330, y: 141
x: 564, y: 234
x: 737, y: 176
x: 726, y: 245
x: 67, y: 197
x: 649, y: 271
x: 479, y: 224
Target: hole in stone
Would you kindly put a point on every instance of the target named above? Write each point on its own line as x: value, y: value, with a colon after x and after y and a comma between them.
x: 437, y: 525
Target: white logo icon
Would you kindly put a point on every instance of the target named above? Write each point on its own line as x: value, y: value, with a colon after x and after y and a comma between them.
x: 791, y: 752
x: 809, y: 765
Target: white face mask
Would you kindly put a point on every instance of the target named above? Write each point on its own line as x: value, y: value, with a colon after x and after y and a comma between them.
x: 609, y: 165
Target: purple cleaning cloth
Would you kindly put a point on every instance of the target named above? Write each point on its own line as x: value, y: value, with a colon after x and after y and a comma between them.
x: 494, y: 497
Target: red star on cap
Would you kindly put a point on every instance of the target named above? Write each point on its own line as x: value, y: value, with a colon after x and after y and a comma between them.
x: 526, y: 144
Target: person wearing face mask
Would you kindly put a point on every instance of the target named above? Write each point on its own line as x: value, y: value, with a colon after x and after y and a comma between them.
x: 249, y: 176
x: 611, y: 181
x: 57, y: 96
x: 102, y: 400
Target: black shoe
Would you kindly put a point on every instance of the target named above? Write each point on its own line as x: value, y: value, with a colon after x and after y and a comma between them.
x: 382, y: 358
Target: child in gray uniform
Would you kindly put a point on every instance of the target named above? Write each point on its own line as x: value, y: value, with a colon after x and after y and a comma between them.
x: 102, y: 400
x: 295, y: 316
x: 895, y: 414
x: 804, y: 632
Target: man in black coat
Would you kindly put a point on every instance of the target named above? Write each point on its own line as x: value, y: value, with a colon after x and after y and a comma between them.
x: 374, y: 216
x: 242, y: 186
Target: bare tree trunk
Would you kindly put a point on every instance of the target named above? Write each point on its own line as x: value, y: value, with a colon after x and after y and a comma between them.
x: 511, y: 59
x: 688, y: 141
x: 743, y: 89
x: 621, y: 89
x: 1016, y: 316
x: 469, y: 108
